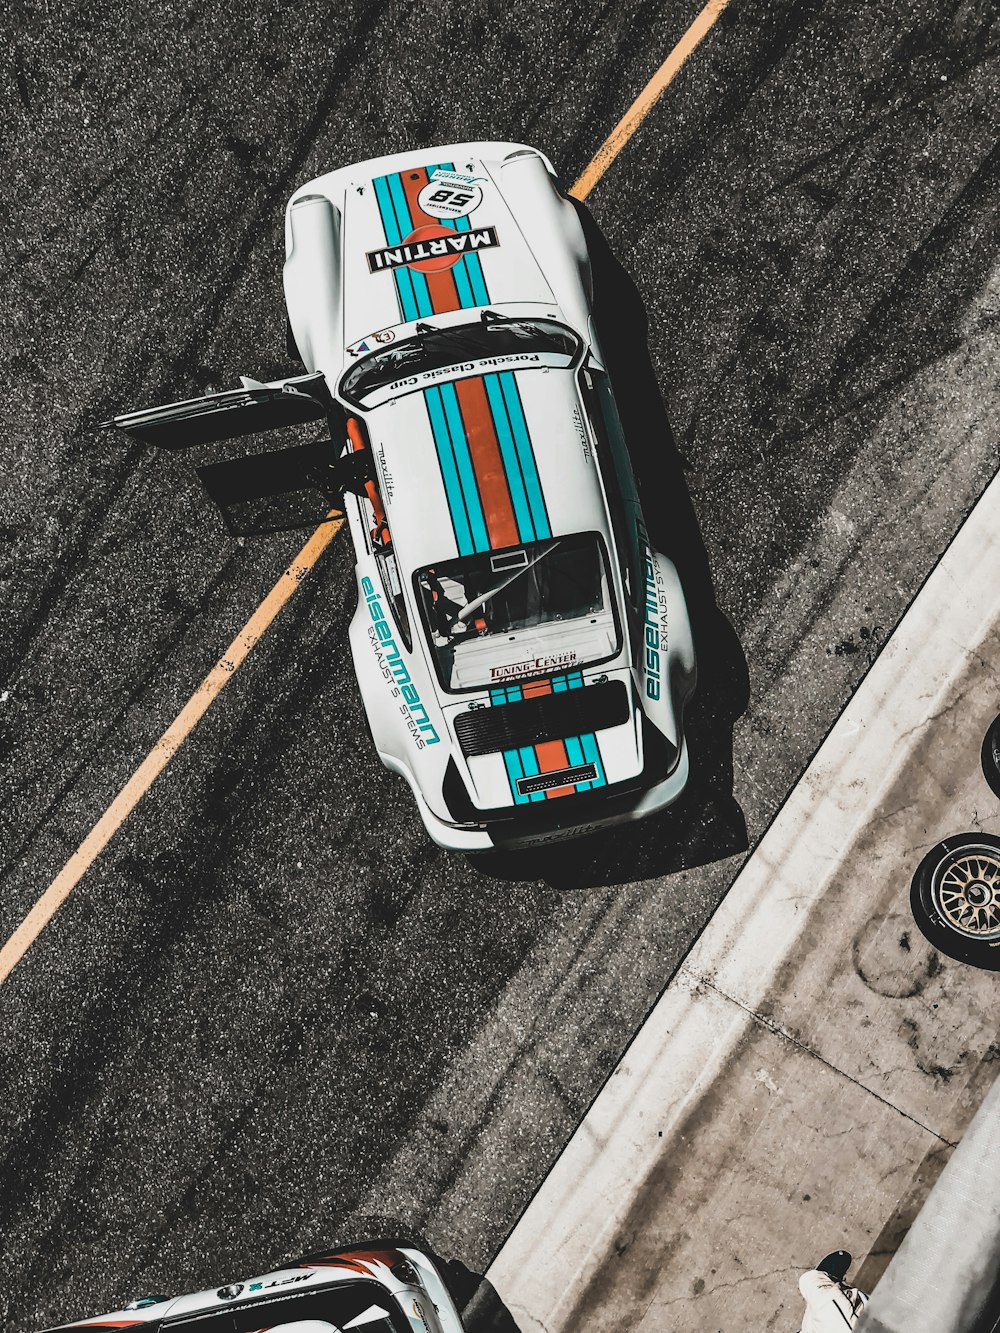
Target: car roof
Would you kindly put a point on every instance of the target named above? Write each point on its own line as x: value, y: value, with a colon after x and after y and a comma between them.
x: 486, y: 461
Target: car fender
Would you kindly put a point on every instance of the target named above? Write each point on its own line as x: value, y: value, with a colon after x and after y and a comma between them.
x: 551, y: 227
x: 666, y: 670
x: 312, y: 279
x: 406, y: 721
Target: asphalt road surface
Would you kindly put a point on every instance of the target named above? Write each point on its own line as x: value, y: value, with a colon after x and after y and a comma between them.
x: 273, y: 1009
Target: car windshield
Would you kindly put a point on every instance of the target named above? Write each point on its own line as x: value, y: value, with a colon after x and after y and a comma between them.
x: 435, y: 353
x: 525, y: 611
x: 366, y: 1306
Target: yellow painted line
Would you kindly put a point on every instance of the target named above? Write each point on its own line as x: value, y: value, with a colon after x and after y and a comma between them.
x: 166, y: 747
x: 200, y: 702
x: 647, y: 99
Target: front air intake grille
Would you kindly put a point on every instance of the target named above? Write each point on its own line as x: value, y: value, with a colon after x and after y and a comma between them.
x: 548, y: 717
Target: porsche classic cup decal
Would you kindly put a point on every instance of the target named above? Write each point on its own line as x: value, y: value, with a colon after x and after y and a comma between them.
x: 440, y: 282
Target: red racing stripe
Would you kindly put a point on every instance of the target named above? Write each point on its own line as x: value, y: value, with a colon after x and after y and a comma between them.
x: 491, y: 475
x: 440, y: 286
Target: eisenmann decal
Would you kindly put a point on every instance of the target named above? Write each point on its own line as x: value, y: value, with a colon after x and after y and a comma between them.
x: 534, y: 667
x: 655, y: 628
x: 439, y: 247
x: 394, y: 669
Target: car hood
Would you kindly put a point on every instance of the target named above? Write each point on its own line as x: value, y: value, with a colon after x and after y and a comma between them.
x: 406, y: 257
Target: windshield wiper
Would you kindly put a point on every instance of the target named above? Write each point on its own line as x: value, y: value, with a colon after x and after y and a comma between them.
x: 470, y: 607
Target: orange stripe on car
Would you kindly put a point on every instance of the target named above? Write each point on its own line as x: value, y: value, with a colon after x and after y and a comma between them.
x: 552, y: 756
x: 440, y: 286
x: 491, y: 475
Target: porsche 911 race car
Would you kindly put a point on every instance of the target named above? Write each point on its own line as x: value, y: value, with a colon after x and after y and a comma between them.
x: 524, y: 653
x: 378, y: 1289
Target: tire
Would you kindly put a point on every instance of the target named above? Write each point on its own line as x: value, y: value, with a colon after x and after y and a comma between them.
x: 955, y: 899
x: 991, y: 756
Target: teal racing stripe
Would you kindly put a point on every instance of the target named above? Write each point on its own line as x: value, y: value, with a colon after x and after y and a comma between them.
x: 449, y: 472
x: 422, y: 297
x: 512, y: 762
x: 511, y: 459
x: 588, y: 743
x: 525, y: 453
x: 411, y: 287
x: 400, y: 207
x: 592, y: 754
x: 574, y: 754
x: 473, y: 264
x: 468, y: 272
x: 529, y: 762
x: 480, y: 292
x: 466, y: 471
x: 462, y: 286
x: 510, y: 694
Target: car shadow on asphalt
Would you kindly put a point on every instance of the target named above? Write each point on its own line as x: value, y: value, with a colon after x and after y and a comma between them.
x: 706, y: 824
x: 477, y: 1300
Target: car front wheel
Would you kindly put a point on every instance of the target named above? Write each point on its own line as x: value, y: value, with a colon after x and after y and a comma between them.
x: 955, y: 898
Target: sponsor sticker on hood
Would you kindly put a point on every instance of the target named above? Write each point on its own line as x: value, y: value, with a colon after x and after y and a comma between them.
x: 431, y: 249
x: 450, y: 194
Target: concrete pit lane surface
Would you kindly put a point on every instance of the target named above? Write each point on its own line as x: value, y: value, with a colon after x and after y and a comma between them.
x: 222, y: 1049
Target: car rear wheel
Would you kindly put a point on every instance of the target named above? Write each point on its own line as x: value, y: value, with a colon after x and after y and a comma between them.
x: 955, y: 898
x: 991, y: 756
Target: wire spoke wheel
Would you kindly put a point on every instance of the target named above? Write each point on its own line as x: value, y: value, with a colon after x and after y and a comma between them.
x: 955, y: 898
x: 968, y: 893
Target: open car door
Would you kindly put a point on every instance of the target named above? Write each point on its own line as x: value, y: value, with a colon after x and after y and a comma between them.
x: 223, y: 416
x: 269, y: 492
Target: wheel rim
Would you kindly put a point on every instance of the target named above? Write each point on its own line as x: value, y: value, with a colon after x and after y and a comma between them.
x: 966, y: 892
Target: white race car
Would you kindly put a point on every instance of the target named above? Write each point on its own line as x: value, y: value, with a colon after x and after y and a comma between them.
x: 382, y: 1288
x: 524, y: 654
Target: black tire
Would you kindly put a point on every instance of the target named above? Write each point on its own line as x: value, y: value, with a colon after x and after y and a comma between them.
x: 955, y: 899
x: 991, y: 756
